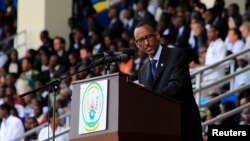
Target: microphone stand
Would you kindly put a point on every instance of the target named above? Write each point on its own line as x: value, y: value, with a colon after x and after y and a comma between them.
x: 107, y: 68
x: 54, y: 85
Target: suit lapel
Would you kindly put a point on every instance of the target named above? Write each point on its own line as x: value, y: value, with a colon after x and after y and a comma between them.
x: 162, y: 63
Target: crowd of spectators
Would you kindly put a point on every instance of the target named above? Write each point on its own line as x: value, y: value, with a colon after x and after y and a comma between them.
x: 208, y: 34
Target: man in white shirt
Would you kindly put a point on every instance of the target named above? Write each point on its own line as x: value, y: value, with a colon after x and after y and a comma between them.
x: 43, y: 134
x: 215, y: 53
x: 11, y: 127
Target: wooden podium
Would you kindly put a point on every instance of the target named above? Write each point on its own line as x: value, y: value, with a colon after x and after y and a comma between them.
x: 134, y: 113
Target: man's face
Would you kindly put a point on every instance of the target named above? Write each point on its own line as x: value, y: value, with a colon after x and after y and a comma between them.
x: 244, y: 31
x: 196, y: 28
x: 212, y: 34
x: 57, y: 120
x: 26, y: 66
x: 72, y: 59
x: 10, y: 80
x: 53, y: 61
x: 231, y: 36
x: 112, y: 13
x: 147, y: 40
x: 2, y: 113
x: 57, y: 44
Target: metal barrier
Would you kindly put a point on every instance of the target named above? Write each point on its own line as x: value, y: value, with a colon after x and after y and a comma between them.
x: 218, y: 98
x: 59, y: 134
x: 38, y: 128
x: 225, y: 115
x: 221, y: 65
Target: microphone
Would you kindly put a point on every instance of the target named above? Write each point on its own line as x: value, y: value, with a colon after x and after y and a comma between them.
x: 127, y: 51
x: 111, y: 59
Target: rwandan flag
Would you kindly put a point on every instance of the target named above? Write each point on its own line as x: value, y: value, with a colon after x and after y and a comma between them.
x: 100, y: 5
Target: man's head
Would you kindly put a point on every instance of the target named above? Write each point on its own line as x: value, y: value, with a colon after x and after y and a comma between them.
x: 146, y: 38
x: 26, y: 64
x: 233, y: 9
x: 178, y: 21
x: 59, y: 43
x: 212, y: 34
x: 54, y: 60
x: 44, y: 35
x: 4, y: 110
x: 51, y: 119
x: 210, y: 15
x: 129, y: 14
x: 10, y: 79
x: 200, y: 7
x: 233, y: 35
x: 85, y: 52
x: 197, y: 27
x: 73, y: 58
x: 142, y: 5
x: 113, y: 12
x: 31, y: 123
x: 245, y: 29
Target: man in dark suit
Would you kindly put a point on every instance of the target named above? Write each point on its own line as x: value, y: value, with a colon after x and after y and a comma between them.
x: 142, y: 13
x: 167, y: 73
x: 115, y: 27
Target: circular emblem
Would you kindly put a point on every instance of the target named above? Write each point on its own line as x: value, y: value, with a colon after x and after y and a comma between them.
x: 92, y: 106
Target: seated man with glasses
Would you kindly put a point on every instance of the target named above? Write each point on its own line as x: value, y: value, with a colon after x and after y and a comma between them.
x: 167, y: 73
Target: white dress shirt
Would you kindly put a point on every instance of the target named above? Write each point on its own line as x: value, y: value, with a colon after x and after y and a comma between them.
x: 234, y: 47
x: 43, y: 134
x: 157, y: 55
x: 215, y: 53
x: 11, y: 128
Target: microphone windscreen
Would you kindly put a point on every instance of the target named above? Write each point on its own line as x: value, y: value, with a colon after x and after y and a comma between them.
x: 128, y: 51
x: 123, y: 57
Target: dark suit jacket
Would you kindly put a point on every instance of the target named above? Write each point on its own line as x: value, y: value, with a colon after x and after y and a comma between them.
x: 182, y: 41
x: 115, y: 29
x: 173, y: 80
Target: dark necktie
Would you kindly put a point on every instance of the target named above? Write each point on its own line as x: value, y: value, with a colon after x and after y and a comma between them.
x: 153, y: 67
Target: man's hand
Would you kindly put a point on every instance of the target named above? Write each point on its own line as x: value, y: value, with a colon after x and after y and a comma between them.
x: 141, y: 84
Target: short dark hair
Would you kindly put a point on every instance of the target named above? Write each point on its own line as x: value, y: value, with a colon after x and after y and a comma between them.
x: 61, y: 39
x: 212, y: 11
x: 199, y: 21
x: 145, y: 22
x: 236, y: 32
x: 228, y: 105
x: 29, y: 60
x: 45, y: 32
x: 215, y: 110
x: 144, y: 3
x: 202, y: 6
x: 87, y: 48
x: 215, y: 28
x: 235, y: 7
x: 50, y: 113
x: 6, y: 107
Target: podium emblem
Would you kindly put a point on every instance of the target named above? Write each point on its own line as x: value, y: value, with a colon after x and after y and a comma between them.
x: 93, y: 107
